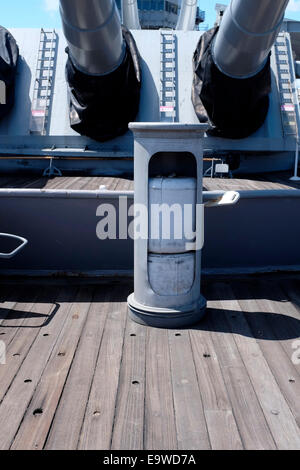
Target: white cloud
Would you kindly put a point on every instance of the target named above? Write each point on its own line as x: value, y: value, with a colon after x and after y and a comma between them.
x: 51, y: 5
x: 294, y: 5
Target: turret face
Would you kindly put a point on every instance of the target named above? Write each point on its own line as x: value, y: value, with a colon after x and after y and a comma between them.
x: 102, y: 71
x: 232, y: 79
x: 93, y: 32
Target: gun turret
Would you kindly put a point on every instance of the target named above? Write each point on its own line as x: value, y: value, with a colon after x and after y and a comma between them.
x: 247, y: 33
x: 102, y: 71
x: 232, y: 78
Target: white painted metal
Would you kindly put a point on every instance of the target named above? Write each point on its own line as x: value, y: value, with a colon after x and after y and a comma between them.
x: 222, y: 168
x: 165, y: 301
x: 290, y: 114
x: 44, y: 80
x: 175, y: 227
x: 171, y: 274
x: 296, y: 177
x: 229, y: 198
x: 168, y: 76
x: 17, y: 250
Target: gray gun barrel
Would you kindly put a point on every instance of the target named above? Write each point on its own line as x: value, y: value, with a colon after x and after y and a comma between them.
x: 131, y: 14
x: 187, y: 17
x: 247, y: 33
x: 93, y: 31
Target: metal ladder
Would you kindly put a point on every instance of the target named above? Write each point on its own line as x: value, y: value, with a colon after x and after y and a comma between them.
x: 43, y: 85
x: 287, y: 87
x: 168, y: 82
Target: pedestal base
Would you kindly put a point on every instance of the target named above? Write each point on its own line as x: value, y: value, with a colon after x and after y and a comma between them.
x: 166, y: 318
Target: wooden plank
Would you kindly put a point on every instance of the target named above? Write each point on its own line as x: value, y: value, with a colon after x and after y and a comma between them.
x: 67, y: 183
x: 281, y: 314
x: 23, y: 332
x: 249, y: 417
x: 278, y: 360
x: 35, y: 427
x: 7, y: 303
x: 216, y: 402
x: 98, y: 422
x: 66, y: 399
x: 275, y: 408
x: 258, y: 182
x: 251, y: 422
x: 160, y: 425
x: 110, y: 183
x: 17, y: 312
x: 81, y: 183
x: 128, y: 430
x: 54, y: 183
x: 113, y: 184
x: 190, y: 421
x: 20, y: 393
x: 20, y: 182
x: 124, y: 185
x: 35, y: 183
x: 107, y: 183
x: 223, y: 432
x: 95, y: 183
x: 6, y: 180
x: 88, y: 182
x: 213, y: 390
x: 291, y: 289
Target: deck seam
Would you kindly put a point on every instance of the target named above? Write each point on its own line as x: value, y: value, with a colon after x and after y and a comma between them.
x: 23, y: 358
x: 200, y: 394
x: 69, y: 370
x: 228, y: 394
x: 250, y: 381
x: 269, y: 369
x: 118, y: 385
x: 106, y: 299
x: 38, y: 381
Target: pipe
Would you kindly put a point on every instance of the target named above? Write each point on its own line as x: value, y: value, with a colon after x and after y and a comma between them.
x: 93, y: 31
x: 130, y: 11
x: 247, y: 33
x: 187, y: 17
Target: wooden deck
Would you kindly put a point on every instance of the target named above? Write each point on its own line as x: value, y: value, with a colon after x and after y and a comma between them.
x: 80, y: 375
x: 259, y: 182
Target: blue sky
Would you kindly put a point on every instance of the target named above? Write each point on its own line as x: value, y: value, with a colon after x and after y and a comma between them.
x: 44, y: 13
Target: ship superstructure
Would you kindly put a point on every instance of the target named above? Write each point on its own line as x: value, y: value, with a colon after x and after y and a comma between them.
x: 156, y: 14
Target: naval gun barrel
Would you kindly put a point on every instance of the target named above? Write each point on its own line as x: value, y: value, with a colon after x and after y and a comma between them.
x: 94, y: 35
x: 102, y: 71
x: 131, y: 14
x: 187, y: 17
x: 247, y: 33
x: 232, y: 72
